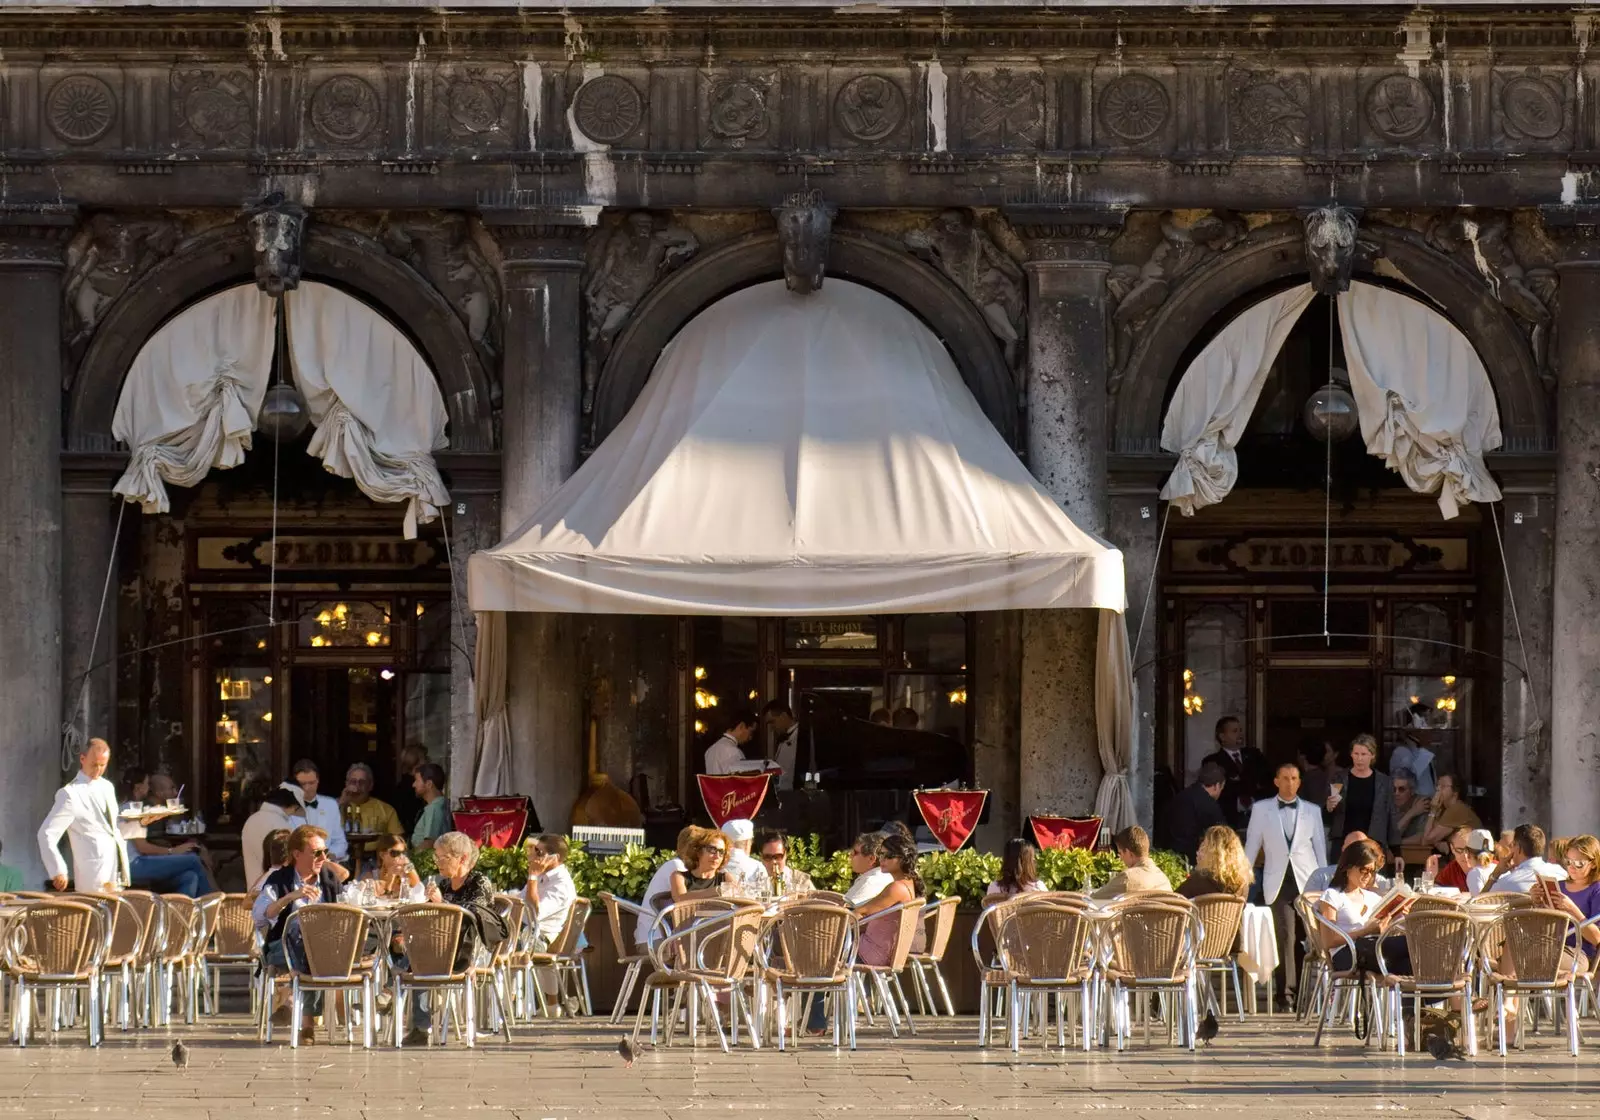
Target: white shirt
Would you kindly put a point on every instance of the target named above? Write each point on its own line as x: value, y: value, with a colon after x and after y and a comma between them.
x: 1522, y: 877
x: 267, y: 819
x: 1351, y: 909
x: 85, y: 810
x: 660, y: 883
x: 1005, y: 892
x: 556, y: 893
x: 787, y: 750
x: 326, y: 816
x: 868, y: 886
x: 131, y: 830
x: 742, y: 868
x: 724, y: 756
x: 1477, y: 877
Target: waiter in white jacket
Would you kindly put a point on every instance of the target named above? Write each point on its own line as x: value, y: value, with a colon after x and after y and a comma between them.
x: 1289, y: 831
x: 85, y: 810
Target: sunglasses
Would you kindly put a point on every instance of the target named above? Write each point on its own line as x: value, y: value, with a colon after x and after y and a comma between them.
x: 718, y: 851
x: 319, y: 853
x: 396, y: 852
x: 766, y: 856
x: 1574, y: 862
x: 1458, y: 851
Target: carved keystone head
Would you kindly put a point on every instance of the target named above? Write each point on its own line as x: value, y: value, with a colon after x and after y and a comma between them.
x: 805, y: 223
x: 276, y: 229
x: 1330, y: 248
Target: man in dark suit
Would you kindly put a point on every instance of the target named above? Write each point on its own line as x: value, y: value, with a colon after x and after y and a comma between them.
x: 1195, y: 810
x: 1249, y: 778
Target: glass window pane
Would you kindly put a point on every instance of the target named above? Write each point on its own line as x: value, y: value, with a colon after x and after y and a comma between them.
x: 427, y: 701
x: 1422, y: 634
x: 936, y: 641
x: 938, y: 699
x: 240, y: 731
x: 238, y: 631
x: 1296, y: 626
x: 435, y: 631
x: 344, y: 624
x: 830, y: 634
x: 725, y: 674
x: 1428, y: 712
x: 1214, y: 679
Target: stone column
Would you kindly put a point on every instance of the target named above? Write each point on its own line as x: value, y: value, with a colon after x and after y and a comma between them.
x: 1575, y: 653
x: 1066, y: 446
x: 541, y: 422
x: 1135, y: 487
x: 31, y: 242
x: 473, y: 521
x: 89, y: 517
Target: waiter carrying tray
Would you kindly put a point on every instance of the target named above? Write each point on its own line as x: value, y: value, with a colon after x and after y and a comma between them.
x: 85, y: 810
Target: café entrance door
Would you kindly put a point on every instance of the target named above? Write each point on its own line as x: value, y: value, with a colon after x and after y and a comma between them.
x: 343, y: 715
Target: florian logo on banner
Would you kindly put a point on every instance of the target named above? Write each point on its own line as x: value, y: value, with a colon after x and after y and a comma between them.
x: 731, y: 797
x: 1065, y: 832
x: 492, y: 828
x: 951, y: 814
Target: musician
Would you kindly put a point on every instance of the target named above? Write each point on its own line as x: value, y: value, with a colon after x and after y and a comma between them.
x: 726, y: 755
x: 780, y: 721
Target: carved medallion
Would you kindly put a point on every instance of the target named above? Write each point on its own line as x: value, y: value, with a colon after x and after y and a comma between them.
x: 869, y: 108
x: 1399, y: 107
x: 474, y: 103
x: 80, y: 109
x: 1533, y: 106
x: 1269, y: 110
x: 212, y: 108
x: 1004, y: 109
x: 344, y: 109
x: 738, y: 110
x: 1134, y: 107
x: 607, y: 109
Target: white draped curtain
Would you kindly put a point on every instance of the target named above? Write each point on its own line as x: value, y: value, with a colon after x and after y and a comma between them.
x: 1427, y: 408
x: 377, y: 409
x: 192, y: 394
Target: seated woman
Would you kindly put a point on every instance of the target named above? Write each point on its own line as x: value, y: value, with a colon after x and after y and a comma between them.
x: 1220, y: 866
x: 899, y: 859
x: 395, y: 876
x: 1019, y: 872
x: 274, y: 854
x: 1579, y: 894
x: 1349, y: 903
x: 704, y: 855
x: 150, y: 866
x: 1453, y: 872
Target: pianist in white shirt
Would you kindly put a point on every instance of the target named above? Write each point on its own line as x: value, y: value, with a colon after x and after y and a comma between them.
x: 725, y: 756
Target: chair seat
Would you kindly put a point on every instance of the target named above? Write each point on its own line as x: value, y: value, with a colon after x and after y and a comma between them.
x: 793, y: 980
x: 1411, y: 984
x: 412, y: 981
x: 1179, y: 977
x: 1561, y: 981
x: 1052, y: 981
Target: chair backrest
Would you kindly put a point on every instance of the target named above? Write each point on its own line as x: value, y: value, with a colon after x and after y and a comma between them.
x: 56, y: 939
x: 1440, y: 943
x: 1305, y: 909
x: 834, y: 897
x: 208, y: 907
x: 943, y: 916
x: 566, y: 944
x: 515, y: 911
x: 234, y: 932
x: 1425, y: 902
x: 1152, y: 939
x: 1220, y: 916
x: 817, y: 938
x: 126, y: 928
x: 908, y: 925
x: 431, y: 932
x: 332, y: 935
x: 1043, y: 941
x: 1535, y: 939
x: 620, y: 937
x: 183, y: 921
x: 152, y: 919
x: 729, y: 950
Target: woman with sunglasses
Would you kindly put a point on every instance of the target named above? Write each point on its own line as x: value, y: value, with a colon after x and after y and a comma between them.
x: 395, y: 876
x: 1351, y: 904
x: 704, y: 853
x: 1579, y: 894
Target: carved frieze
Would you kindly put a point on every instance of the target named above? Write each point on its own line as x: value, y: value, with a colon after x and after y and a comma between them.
x: 1002, y: 108
x: 344, y: 110
x: 1268, y: 110
x: 1399, y: 108
x: 629, y: 257
x: 966, y: 254
x: 1515, y: 261
x: 1133, y: 108
x: 608, y: 109
x: 870, y: 109
x: 739, y: 108
x: 476, y: 106
x: 80, y: 109
x: 1533, y: 106
x: 443, y: 249
x: 213, y: 107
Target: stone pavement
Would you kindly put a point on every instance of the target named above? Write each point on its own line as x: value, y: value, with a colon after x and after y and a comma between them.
x: 1265, y: 1070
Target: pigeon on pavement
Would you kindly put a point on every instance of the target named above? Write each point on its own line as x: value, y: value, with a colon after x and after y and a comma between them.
x: 180, y: 1055
x: 1443, y: 1049
x: 625, y: 1050
x: 1208, y: 1028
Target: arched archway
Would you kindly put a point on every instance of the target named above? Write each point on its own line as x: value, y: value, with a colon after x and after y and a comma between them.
x: 224, y: 257
x: 1276, y: 254
x: 852, y: 256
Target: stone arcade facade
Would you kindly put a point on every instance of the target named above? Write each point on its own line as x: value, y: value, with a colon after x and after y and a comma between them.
x: 1072, y: 200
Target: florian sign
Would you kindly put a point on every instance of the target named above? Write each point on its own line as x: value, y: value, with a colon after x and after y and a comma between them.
x: 332, y: 553
x: 1377, y: 555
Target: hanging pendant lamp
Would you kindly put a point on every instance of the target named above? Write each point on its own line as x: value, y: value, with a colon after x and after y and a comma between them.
x: 284, y: 414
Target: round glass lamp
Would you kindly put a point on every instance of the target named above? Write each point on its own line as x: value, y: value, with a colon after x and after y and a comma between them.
x: 284, y: 415
x: 1330, y: 413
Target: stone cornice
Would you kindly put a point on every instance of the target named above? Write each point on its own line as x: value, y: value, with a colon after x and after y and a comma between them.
x: 538, y: 237
x: 35, y: 235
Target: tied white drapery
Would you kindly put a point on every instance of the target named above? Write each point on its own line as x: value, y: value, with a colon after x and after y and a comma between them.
x: 1216, y: 396
x: 1427, y: 408
x: 378, y: 412
x: 192, y: 394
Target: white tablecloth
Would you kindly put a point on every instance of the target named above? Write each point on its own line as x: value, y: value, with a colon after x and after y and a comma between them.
x: 1258, y: 944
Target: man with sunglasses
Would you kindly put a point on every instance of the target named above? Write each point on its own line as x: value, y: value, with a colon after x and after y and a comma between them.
x: 774, y: 855
x: 309, y: 876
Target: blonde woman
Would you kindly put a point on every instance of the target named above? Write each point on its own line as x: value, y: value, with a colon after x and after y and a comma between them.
x: 1220, y: 866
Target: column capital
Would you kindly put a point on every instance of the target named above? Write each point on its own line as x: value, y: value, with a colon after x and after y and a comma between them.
x: 91, y: 472
x: 538, y: 237
x: 1067, y: 234
x: 35, y: 235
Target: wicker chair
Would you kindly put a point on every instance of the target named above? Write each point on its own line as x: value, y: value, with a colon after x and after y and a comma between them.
x: 991, y: 976
x: 886, y: 977
x: 1440, y: 941
x: 55, y: 946
x: 1154, y: 950
x: 566, y: 959
x: 176, y: 959
x: 1221, y: 917
x: 1043, y: 951
x: 814, y: 950
x: 627, y: 954
x: 505, y: 957
x: 431, y: 934
x: 152, y: 913
x: 1536, y: 944
x: 1351, y: 981
x: 208, y: 907
x: 705, y: 958
x: 332, y: 936
x: 925, y: 966
x: 832, y: 897
x: 1317, y: 959
x: 121, y: 959
x: 234, y: 945
x: 671, y: 918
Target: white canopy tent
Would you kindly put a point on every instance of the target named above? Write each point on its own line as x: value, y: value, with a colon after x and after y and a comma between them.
x: 808, y: 455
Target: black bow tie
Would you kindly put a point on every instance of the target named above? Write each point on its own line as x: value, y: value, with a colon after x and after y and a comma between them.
x: 311, y: 803
x: 1289, y: 804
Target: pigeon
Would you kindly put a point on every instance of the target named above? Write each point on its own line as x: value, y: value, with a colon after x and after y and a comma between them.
x: 180, y: 1055
x: 625, y: 1050
x: 1208, y: 1028
x: 1443, y: 1049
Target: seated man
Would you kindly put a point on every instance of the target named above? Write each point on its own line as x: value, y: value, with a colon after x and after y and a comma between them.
x: 774, y: 854
x: 1526, y: 865
x: 550, y: 891
x: 435, y: 821
x: 741, y: 868
x: 309, y: 876
x: 372, y: 816
x: 1139, y: 872
x: 151, y: 867
x: 870, y: 878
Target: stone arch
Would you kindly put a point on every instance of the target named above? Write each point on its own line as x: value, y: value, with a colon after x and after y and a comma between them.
x: 852, y: 256
x: 222, y: 258
x: 1275, y: 255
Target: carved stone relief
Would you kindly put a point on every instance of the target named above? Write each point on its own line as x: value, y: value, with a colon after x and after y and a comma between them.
x: 1002, y: 108
x: 1137, y: 291
x: 277, y: 230
x: 80, y: 109
x: 1268, y: 110
x: 1133, y: 108
x: 212, y: 108
x: 608, y: 109
x: 344, y: 109
x: 443, y: 250
x: 628, y: 258
x: 1532, y: 105
x: 991, y: 279
x: 477, y: 104
x: 1518, y: 270
x: 1399, y: 107
x: 805, y: 230
x: 104, y: 258
x: 1331, y: 248
x: 738, y: 108
x: 870, y: 108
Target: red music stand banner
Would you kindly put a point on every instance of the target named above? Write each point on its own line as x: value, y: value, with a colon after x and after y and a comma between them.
x: 1065, y: 832
x: 508, y: 804
x: 492, y: 828
x: 951, y: 814
x: 731, y: 797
